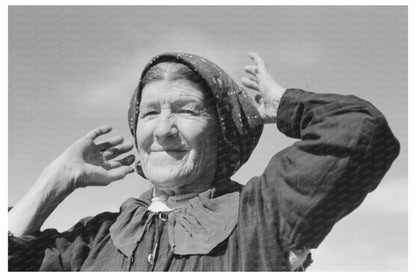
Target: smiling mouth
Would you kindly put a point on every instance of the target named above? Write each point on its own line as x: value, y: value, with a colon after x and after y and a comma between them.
x: 169, y: 150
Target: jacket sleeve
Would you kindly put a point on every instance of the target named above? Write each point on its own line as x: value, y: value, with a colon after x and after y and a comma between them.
x: 345, y: 149
x: 50, y: 250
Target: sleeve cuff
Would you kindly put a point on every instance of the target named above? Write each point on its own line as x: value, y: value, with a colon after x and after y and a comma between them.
x: 288, y: 113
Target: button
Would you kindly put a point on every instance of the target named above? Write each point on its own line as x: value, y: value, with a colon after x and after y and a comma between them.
x: 163, y: 217
x: 151, y: 259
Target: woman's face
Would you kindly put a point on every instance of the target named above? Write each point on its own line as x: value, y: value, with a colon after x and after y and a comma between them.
x: 177, y: 136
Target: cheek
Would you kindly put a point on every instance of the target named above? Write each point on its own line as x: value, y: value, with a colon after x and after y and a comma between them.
x: 199, y: 135
x: 191, y: 131
x: 144, y: 135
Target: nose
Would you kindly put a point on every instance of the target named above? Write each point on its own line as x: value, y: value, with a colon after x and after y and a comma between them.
x: 165, y: 128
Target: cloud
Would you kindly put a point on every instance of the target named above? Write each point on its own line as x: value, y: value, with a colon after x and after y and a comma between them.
x: 373, y: 237
x: 109, y: 89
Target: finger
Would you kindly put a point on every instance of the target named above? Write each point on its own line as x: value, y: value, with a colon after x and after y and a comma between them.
x: 114, y: 141
x: 251, y: 69
x: 251, y: 75
x: 249, y: 83
x: 257, y: 59
x: 119, y: 173
x: 111, y: 153
x: 99, y: 131
x: 254, y: 79
x: 122, y: 162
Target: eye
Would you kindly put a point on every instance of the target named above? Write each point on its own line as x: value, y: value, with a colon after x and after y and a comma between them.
x: 188, y: 111
x: 149, y: 113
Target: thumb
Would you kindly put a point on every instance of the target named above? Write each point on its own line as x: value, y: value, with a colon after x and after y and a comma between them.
x: 120, y: 172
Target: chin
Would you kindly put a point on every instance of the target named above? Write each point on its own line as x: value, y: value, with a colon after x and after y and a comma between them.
x: 167, y: 177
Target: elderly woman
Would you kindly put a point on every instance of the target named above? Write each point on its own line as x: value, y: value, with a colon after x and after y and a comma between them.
x: 194, y: 127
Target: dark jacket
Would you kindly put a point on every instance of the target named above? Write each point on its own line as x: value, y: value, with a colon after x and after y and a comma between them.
x: 345, y: 147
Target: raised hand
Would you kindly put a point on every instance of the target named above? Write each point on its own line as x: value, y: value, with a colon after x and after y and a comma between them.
x: 95, y: 164
x: 270, y: 92
x: 85, y: 163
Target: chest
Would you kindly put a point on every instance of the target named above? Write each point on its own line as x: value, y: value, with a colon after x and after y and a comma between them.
x: 250, y: 247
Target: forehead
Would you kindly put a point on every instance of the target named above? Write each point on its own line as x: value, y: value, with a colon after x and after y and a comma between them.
x: 171, y: 91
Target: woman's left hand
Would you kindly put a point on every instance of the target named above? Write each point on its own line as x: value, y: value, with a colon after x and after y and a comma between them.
x: 270, y: 92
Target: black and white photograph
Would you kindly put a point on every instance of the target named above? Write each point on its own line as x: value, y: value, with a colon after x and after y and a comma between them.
x: 207, y: 138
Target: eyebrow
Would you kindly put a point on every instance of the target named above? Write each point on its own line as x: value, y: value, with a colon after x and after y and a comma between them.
x: 178, y: 102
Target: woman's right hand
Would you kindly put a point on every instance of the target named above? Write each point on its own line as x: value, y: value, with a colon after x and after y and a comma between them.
x: 88, y: 163
x: 85, y: 163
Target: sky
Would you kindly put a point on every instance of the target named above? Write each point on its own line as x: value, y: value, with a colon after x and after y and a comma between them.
x: 72, y: 69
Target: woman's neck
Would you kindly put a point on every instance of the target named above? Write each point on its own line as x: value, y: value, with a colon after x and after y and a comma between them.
x: 195, y: 187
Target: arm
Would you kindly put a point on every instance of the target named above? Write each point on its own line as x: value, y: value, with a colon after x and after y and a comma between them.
x: 51, y: 188
x: 50, y: 250
x: 85, y: 163
x: 345, y: 149
x: 82, y: 164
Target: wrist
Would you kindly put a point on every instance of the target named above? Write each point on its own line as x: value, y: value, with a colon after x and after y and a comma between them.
x: 57, y: 180
x: 278, y: 92
x: 270, y: 111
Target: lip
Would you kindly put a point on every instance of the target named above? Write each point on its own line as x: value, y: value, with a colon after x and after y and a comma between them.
x: 169, y: 150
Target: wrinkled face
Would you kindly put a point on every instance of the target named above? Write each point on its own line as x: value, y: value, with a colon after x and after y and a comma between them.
x: 176, y: 135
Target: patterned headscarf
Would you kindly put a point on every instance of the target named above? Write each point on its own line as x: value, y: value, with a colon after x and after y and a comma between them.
x: 241, y: 124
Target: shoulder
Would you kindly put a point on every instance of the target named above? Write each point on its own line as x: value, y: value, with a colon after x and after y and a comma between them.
x: 87, y: 228
x: 251, y: 188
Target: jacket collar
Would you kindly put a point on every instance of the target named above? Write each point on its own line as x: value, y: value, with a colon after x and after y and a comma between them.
x: 196, y: 228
